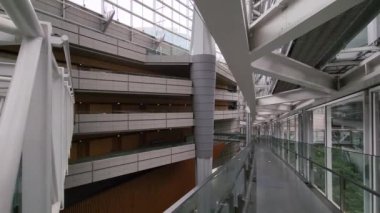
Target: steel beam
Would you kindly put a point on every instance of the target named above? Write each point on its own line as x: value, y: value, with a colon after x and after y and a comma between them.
x: 289, y: 20
x: 274, y: 108
x: 265, y: 118
x: 13, y: 121
x: 229, y: 16
x: 6, y: 69
x: 8, y: 26
x: 367, y: 74
x: 287, y: 69
x: 24, y: 17
x: 9, y: 39
x: 290, y: 96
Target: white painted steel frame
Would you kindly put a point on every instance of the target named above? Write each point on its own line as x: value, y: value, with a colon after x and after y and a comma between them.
x: 284, y: 22
x: 37, y: 117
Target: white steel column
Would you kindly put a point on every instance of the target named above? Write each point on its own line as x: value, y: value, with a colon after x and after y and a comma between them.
x: 307, y: 138
x: 367, y: 149
x: 329, y: 183
x: 37, y: 149
x: 14, y: 116
x: 2, y: 99
x: 373, y: 30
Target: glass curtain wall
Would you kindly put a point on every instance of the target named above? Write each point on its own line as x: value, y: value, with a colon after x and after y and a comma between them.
x: 340, y: 162
x: 346, y: 123
x: 285, y: 136
x: 318, y: 148
x: 293, y: 138
x: 170, y: 20
x: 376, y: 137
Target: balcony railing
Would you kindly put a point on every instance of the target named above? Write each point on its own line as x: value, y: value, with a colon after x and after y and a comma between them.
x: 106, y: 81
x: 90, y: 123
x: 99, y: 168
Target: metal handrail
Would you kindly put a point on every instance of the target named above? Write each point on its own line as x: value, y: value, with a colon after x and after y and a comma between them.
x: 218, y: 171
x: 336, y: 173
x: 27, y: 23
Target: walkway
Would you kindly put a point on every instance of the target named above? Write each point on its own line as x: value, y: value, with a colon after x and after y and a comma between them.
x: 280, y: 190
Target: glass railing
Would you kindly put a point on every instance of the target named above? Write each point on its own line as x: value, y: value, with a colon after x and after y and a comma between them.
x: 230, y: 136
x: 344, y: 176
x: 133, y: 151
x: 222, y: 189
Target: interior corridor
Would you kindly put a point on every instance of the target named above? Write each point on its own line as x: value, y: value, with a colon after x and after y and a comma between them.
x: 280, y: 190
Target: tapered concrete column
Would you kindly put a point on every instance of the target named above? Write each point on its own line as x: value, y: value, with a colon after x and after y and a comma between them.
x: 203, y: 75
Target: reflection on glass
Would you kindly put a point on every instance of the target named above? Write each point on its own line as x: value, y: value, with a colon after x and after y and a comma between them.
x: 347, y: 142
x: 284, y: 129
x: 347, y: 124
x: 293, y: 128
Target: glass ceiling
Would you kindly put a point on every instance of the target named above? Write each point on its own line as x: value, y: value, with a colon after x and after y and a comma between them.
x: 167, y: 19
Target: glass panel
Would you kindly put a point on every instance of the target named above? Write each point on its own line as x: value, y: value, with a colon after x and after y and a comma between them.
x: 292, y: 129
x: 79, y: 2
x: 318, y: 148
x: 137, y: 22
x: 319, y: 126
x: 347, y: 138
x: 137, y: 8
x: 335, y: 187
x: 125, y: 4
x: 148, y: 14
x: 149, y: 3
x: 376, y: 203
x: 124, y: 17
x: 151, y: 22
x: 347, y: 124
x: 215, y: 193
x: 94, y: 5
x: 353, y: 198
x: 349, y: 176
x: 292, y: 154
x: 319, y: 177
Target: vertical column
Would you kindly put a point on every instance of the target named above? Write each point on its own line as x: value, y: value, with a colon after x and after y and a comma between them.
x: 248, y: 127
x: 376, y: 148
x: 36, y: 185
x: 203, y: 76
x: 307, y: 138
x: 329, y: 182
x: 373, y: 30
x: 2, y: 100
x: 367, y: 149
